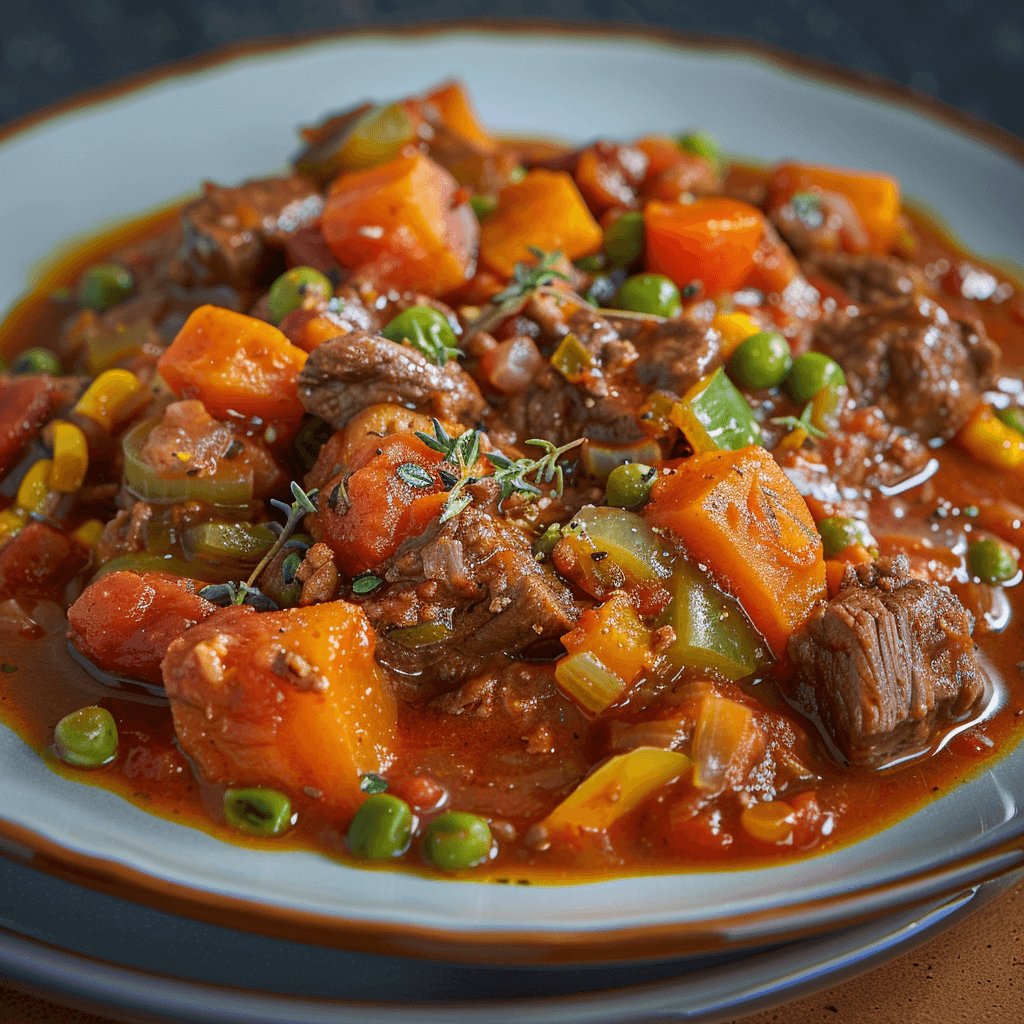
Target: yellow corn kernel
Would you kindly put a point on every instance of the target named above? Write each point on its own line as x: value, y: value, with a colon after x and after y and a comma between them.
x: 89, y: 533
x: 771, y: 822
x: 70, y: 457
x: 734, y: 328
x: 108, y: 396
x: 11, y: 521
x: 986, y: 438
x: 35, y: 486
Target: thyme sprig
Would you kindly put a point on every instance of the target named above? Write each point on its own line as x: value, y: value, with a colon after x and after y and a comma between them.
x: 511, y: 474
x: 248, y: 592
x: 462, y: 453
x: 801, y: 422
x: 525, y: 281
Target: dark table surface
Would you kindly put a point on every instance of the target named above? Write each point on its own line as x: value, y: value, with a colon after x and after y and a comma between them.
x: 969, y: 53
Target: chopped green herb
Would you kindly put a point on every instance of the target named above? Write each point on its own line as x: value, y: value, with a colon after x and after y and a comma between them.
x: 414, y: 475
x: 6, y: 667
x: 512, y: 474
x: 366, y: 583
x: 807, y: 206
x: 372, y: 783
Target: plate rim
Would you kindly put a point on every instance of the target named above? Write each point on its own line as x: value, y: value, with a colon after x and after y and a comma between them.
x: 1002, y: 853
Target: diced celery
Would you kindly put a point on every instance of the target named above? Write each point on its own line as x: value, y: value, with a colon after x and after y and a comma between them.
x: 582, y: 677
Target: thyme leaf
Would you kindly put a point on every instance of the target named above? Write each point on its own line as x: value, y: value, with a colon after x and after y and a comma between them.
x: 511, y: 475
x: 801, y: 422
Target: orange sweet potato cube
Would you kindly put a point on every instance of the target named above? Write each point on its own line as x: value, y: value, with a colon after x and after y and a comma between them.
x: 235, y: 365
x: 737, y: 513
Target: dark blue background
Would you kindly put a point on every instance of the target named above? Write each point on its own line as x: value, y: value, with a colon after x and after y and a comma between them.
x: 967, y: 52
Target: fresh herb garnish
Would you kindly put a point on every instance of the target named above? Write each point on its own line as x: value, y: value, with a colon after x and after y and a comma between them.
x: 801, y: 422
x: 7, y: 667
x: 414, y: 475
x: 807, y: 207
x: 372, y: 783
x: 462, y: 453
x: 248, y: 592
x: 525, y: 281
x: 365, y: 583
x: 511, y: 475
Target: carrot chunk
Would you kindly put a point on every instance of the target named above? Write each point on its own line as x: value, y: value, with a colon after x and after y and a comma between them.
x: 455, y: 111
x: 738, y: 514
x: 712, y: 241
x: 874, y: 197
x: 546, y: 211
x: 236, y: 365
x: 401, y: 223
x: 292, y: 700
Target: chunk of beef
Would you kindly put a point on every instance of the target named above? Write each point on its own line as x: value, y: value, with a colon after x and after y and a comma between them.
x: 675, y: 355
x: 887, y: 665
x: 629, y: 359
x: 925, y: 370
x: 125, y: 534
x: 347, y: 374
x: 867, y: 278
x: 868, y: 451
x: 227, y: 231
x: 477, y: 578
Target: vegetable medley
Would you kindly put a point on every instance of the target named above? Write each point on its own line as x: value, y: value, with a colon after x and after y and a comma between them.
x: 500, y: 508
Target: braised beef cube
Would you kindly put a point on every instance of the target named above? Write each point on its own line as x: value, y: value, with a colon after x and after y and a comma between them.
x: 476, y: 577
x: 865, y: 277
x: 887, y: 666
x: 925, y: 370
x: 227, y: 231
x: 349, y: 373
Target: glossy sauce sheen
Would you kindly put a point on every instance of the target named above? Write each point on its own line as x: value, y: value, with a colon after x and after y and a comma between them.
x: 40, y: 683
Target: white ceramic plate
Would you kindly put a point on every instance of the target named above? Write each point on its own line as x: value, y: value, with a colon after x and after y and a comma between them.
x: 112, y: 157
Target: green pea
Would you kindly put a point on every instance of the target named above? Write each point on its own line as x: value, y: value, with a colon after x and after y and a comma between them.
x: 483, y: 206
x: 649, y: 293
x: 104, y: 285
x: 1013, y: 417
x: 630, y: 485
x: 457, y: 840
x: 839, y: 532
x: 593, y: 263
x: 294, y: 289
x: 624, y: 238
x: 260, y: 812
x: 86, y: 738
x: 702, y: 144
x: 37, y: 360
x: 761, y: 361
x: 381, y: 828
x: 810, y: 373
x: 427, y: 331
x: 991, y: 561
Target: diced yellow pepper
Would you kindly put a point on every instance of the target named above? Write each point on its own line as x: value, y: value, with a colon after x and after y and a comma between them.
x: 108, y: 396
x: 992, y: 442
x: 619, y: 785
x: 734, y: 329
x: 35, y: 486
x: 89, y: 533
x: 11, y: 521
x: 70, y: 457
x: 770, y: 822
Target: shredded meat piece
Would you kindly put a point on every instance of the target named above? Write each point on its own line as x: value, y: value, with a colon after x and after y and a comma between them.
x: 476, y: 576
x: 865, y: 277
x: 125, y: 534
x: 227, y: 232
x: 347, y: 374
